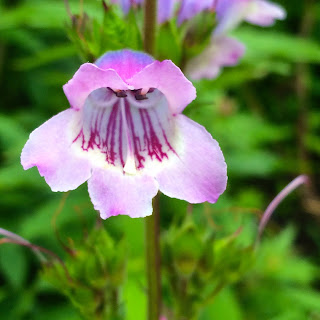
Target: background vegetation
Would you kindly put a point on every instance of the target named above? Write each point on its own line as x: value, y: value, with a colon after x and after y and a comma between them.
x: 265, y: 115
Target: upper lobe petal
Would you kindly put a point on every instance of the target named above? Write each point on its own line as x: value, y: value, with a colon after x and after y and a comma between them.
x: 125, y: 62
x: 169, y: 79
x: 88, y: 78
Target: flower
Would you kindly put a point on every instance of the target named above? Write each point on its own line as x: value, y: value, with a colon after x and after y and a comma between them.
x: 230, y: 13
x: 125, y: 134
x: 224, y: 50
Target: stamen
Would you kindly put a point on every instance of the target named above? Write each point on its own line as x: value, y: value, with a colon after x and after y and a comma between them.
x: 140, y: 94
x: 144, y: 91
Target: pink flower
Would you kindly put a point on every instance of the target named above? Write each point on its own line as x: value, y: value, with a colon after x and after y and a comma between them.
x: 223, y: 51
x: 264, y: 13
x: 230, y: 13
x: 125, y: 134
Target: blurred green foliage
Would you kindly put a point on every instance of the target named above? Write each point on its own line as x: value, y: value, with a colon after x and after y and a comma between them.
x: 264, y: 113
x: 92, y: 275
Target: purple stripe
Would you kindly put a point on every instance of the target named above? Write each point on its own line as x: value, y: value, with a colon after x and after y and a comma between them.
x: 120, y: 140
x: 139, y: 158
x: 153, y: 144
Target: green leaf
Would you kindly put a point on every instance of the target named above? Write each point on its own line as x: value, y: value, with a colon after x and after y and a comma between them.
x: 262, y: 44
x: 225, y: 306
x: 13, y: 264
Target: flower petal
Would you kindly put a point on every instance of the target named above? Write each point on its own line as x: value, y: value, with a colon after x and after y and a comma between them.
x: 199, y: 172
x: 125, y: 62
x: 169, y: 79
x: 49, y: 148
x: 88, y: 78
x: 264, y: 13
x: 114, y: 193
x: 223, y: 51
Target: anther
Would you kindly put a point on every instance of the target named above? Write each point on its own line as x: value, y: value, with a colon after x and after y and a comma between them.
x: 121, y: 94
x: 139, y: 96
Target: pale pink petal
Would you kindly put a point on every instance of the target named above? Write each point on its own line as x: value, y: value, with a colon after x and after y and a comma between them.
x: 222, y: 51
x: 264, y: 13
x: 49, y: 148
x: 198, y: 173
x: 88, y: 78
x: 169, y: 79
x: 113, y: 193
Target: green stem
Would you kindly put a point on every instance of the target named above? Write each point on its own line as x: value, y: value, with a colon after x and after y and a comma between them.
x: 153, y: 261
x: 153, y: 222
x: 150, y: 24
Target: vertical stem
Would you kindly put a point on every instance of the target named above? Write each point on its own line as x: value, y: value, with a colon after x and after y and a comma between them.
x: 153, y: 261
x: 152, y: 224
x: 150, y: 19
x: 303, y: 99
x: 302, y: 89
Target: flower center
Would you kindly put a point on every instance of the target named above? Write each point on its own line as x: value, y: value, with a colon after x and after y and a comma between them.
x: 131, y: 130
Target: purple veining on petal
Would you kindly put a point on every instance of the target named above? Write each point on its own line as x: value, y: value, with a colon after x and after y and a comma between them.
x: 120, y: 141
x: 164, y: 134
x: 134, y: 138
x: 152, y: 141
x: 127, y: 129
x: 104, y: 141
x: 110, y: 136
